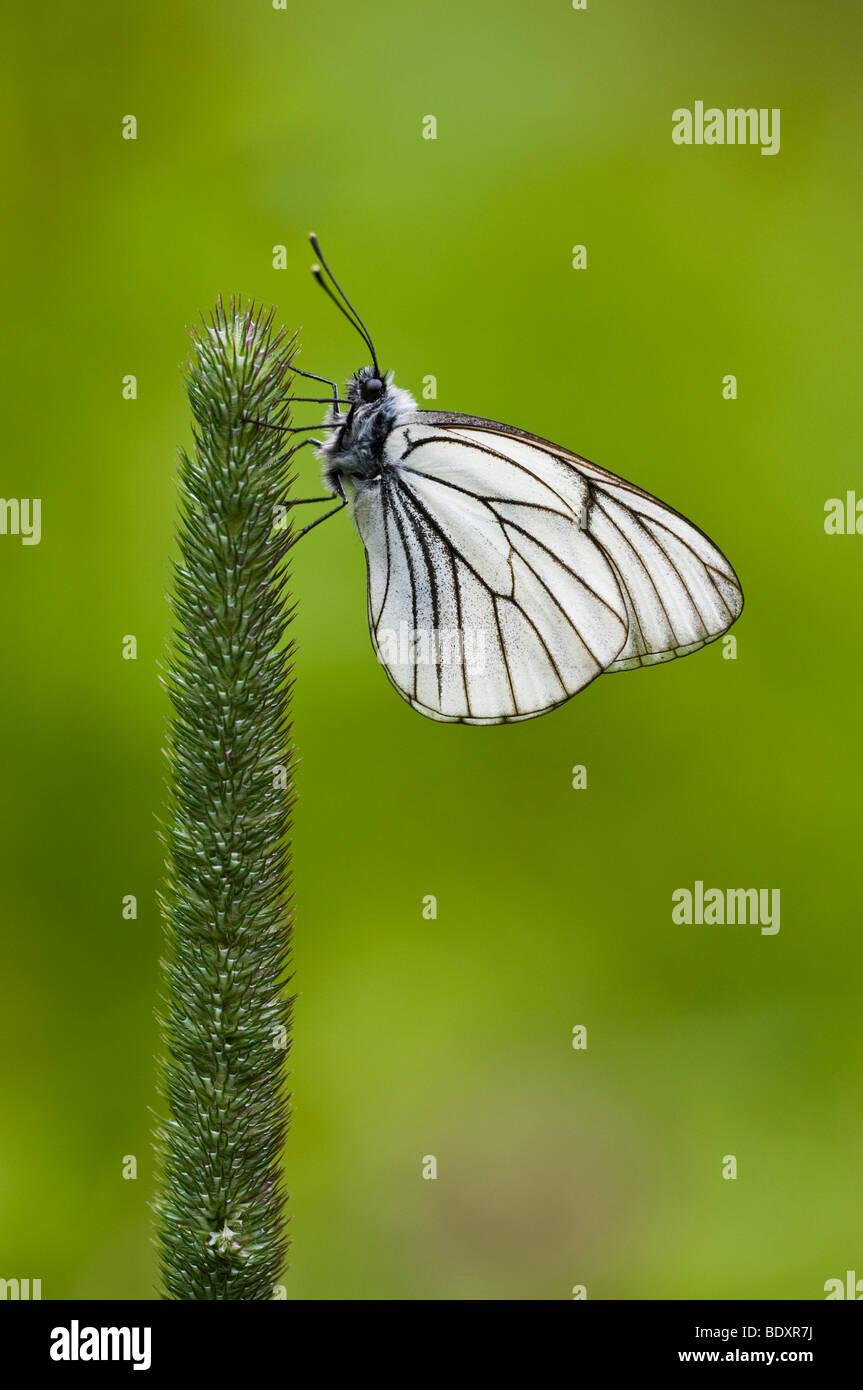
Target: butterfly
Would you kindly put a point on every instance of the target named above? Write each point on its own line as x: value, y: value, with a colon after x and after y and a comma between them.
x: 505, y: 573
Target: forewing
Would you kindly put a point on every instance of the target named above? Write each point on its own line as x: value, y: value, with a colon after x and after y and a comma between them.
x: 679, y: 590
x: 489, y: 601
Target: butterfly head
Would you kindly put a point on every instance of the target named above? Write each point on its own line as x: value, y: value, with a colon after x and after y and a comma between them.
x: 355, y: 443
x: 368, y: 386
x: 376, y: 403
x: 372, y: 404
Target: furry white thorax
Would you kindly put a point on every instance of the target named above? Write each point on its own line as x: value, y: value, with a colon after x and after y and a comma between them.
x: 354, y: 445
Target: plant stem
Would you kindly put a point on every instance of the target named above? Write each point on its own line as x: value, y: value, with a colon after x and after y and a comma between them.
x: 227, y: 905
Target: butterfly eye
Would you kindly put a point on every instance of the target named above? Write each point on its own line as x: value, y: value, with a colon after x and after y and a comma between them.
x: 372, y: 388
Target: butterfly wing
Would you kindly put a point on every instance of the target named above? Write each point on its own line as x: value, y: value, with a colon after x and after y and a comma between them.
x: 505, y: 573
x: 679, y: 589
x: 489, y: 601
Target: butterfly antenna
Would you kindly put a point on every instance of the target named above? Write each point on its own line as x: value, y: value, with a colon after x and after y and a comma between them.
x: 352, y: 316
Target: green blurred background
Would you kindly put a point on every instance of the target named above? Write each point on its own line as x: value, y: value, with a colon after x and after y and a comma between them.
x: 451, y: 1037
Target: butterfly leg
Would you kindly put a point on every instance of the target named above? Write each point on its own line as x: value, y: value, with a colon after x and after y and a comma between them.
x: 303, y: 501
x: 295, y: 448
x: 294, y: 429
x: 343, y: 502
x: 315, y: 400
x: 310, y: 376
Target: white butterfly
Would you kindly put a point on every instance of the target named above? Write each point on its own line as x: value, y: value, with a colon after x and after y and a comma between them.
x: 506, y: 573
